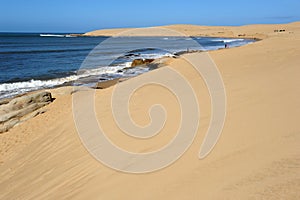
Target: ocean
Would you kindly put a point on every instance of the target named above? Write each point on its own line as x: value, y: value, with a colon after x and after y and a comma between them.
x: 32, y: 61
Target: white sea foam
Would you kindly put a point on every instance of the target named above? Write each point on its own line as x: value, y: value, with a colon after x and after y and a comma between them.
x: 52, y: 35
x: 35, y: 84
x: 227, y: 40
x: 11, y: 89
x: 156, y: 55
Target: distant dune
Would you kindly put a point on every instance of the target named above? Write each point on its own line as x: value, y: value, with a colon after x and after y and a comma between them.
x: 247, y: 31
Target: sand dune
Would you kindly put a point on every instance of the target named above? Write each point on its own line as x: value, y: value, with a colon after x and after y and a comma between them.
x: 257, y: 156
x: 247, y: 31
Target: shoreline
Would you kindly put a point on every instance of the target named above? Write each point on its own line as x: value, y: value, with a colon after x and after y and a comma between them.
x: 257, y: 155
x: 176, y: 54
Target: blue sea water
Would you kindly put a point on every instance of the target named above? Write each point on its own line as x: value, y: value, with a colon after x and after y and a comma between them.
x: 30, y: 61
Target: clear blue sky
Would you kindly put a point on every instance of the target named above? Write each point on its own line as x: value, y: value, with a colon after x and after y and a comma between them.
x: 87, y: 15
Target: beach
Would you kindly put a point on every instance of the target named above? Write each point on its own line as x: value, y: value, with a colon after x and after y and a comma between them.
x: 256, y: 157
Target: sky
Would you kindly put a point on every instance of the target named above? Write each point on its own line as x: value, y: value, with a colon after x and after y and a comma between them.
x: 78, y: 16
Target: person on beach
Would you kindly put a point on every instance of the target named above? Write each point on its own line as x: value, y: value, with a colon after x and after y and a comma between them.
x: 226, y: 46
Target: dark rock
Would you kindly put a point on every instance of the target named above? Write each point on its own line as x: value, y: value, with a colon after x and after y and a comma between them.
x: 281, y: 30
x: 129, y: 55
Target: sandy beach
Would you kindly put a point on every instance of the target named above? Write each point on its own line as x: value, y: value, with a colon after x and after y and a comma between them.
x: 256, y: 157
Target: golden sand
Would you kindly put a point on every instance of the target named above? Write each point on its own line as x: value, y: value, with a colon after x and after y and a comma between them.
x: 257, y: 156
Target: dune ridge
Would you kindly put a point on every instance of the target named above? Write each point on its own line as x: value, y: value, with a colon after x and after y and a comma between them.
x: 247, y: 31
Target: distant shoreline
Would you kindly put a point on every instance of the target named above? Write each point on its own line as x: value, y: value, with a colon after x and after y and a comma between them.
x: 26, y: 79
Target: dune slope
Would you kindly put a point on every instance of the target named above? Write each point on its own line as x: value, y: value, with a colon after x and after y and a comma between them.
x: 257, y: 156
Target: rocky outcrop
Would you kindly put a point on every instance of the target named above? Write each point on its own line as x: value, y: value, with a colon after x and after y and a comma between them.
x: 20, y: 109
x: 139, y: 62
x: 106, y: 84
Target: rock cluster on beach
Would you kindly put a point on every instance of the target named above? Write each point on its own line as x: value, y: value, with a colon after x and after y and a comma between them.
x: 138, y: 62
x: 147, y: 62
x: 20, y: 109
